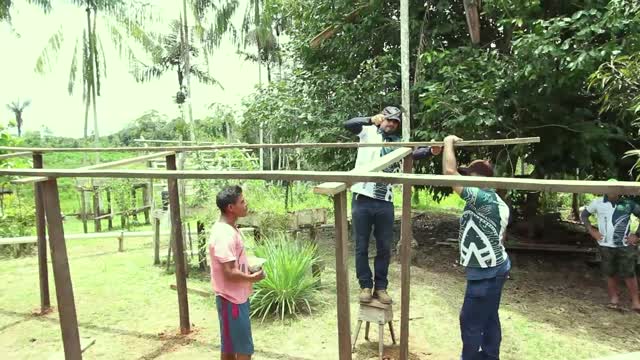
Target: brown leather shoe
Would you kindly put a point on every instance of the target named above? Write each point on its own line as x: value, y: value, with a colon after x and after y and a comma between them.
x: 382, y: 296
x: 365, y: 295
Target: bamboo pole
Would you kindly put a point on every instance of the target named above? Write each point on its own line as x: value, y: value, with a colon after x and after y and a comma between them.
x: 43, y: 271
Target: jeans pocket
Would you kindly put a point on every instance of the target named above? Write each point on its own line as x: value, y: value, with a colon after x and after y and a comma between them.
x: 477, y: 288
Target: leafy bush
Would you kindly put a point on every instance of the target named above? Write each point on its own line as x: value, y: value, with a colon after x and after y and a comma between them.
x: 18, y: 220
x: 289, y: 288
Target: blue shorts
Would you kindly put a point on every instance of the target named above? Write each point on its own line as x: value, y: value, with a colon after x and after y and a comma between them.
x: 235, y: 327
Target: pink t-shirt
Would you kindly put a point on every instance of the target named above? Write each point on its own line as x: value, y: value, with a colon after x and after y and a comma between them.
x: 226, y: 245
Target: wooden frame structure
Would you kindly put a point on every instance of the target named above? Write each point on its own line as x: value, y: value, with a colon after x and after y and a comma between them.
x: 339, y: 181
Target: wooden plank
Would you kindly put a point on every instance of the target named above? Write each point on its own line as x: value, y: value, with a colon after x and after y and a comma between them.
x: 567, y: 186
x: 41, y: 234
x: 104, y: 235
x: 332, y: 188
x: 176, y: 233
x: 111, y: 164
x: 17, y: 154
x: 405, y: 261
x: 342, y: 276
x: 61, y: 273
x: 492, y: 142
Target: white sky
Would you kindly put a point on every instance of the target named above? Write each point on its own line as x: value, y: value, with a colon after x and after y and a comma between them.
x: 122, y: 98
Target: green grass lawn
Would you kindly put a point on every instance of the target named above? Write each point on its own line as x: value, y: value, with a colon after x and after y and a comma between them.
x: 125, y: 303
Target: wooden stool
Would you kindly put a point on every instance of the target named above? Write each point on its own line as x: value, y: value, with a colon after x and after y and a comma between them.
x: 379, y: 313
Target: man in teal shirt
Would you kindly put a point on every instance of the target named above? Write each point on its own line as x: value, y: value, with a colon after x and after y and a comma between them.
x: 483, y: 226
x: 618, y: 245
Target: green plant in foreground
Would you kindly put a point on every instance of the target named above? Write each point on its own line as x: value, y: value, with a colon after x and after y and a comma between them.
x: 289, y: 287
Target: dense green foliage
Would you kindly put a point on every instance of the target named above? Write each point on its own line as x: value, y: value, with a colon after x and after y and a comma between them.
x: 540, y: 70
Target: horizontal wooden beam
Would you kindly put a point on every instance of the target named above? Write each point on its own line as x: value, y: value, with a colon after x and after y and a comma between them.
x: 567, y: 186
x: 104, y: 235
x: 15, y: 154
x: 332, y: 188
x: 496, y: 142
x: 107, y: 165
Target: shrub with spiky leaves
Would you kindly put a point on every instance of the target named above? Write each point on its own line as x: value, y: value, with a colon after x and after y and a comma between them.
x: 289, y: 287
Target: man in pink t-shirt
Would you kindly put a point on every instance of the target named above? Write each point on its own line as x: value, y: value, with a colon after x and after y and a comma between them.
x: 230, y: 276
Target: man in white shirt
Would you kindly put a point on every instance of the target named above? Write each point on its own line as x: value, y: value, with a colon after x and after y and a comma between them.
x: 617, y: 245
x: 372, y: 203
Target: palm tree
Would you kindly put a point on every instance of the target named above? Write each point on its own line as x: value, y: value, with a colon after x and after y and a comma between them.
x: 5, y: 8
x: 168, y: 57
x: 17, y: 108
x: 124, y: 24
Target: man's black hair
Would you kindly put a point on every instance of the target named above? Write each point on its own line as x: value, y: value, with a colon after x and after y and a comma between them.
x: 228, y: 196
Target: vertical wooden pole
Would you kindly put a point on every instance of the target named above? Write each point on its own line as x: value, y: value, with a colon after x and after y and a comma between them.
x: 473, y: 20
x: 342, y: 276
x: 96, y: 209
x: 405, y: 65
x: 146, y: 202
x: 202, y: 248
x: 134, y: 204
x: 156, y: 240
x: 121, y: 241
x: 61, y: 272
x: 405, y: 259
x: 45, y: 301
x: 110, y: 211
x: 83, y: 209
x: 176, y: 231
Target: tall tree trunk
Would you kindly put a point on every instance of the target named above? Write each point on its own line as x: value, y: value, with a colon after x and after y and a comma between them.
x: 187, y: 70
x: 417, y: 75
x: 92, y: 71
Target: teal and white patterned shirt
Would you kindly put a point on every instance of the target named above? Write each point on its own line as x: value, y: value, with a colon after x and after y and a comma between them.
x: 482, y: 227
x: 614, y: 220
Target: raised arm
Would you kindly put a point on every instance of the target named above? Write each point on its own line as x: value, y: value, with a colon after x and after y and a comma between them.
x: 355, y: 125
x: 449, y: 162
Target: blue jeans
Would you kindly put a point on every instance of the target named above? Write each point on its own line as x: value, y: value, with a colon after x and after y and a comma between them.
x: 368, y: 213
x: 479, y: 320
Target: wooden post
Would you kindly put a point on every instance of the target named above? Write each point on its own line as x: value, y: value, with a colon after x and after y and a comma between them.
x: 83, y: 209
x: 61, y: 272
x: 146, y: 202
x: 176, y: 231
x: 342, y: 276
x: 190, y: 241
x: 156, y: 241
x: 405, y: 65
x: 405, y: 259
x: 96, y: 209
x: 202, y: 248
x: 45, y: 302
x: 473, y: 20
x: 110, y: 211
x: 134, y: 203
x: 121, y: 241
x: 315, y: 267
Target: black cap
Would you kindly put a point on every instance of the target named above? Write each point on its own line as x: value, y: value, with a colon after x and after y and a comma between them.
x: 392, y: 113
